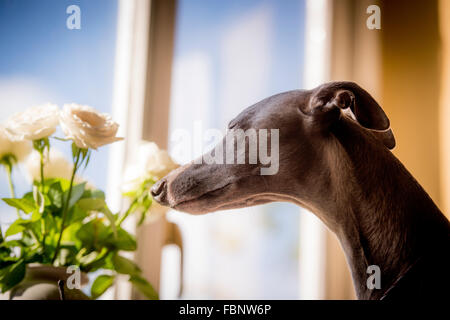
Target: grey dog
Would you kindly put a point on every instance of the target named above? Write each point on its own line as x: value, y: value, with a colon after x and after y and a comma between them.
x: 334, y: 160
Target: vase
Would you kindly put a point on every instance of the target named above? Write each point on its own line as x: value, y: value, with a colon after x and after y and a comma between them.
x: 41, y: 283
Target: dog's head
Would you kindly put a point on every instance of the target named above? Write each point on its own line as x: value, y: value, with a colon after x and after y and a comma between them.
x: 292, y: 130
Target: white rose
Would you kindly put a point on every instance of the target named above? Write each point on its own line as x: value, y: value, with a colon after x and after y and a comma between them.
x: 133, y: 178
x: 151, y: 162
x: 19, y: 149
x: 87, y: 127
x: 55, y: 166
x: 157, y: 162
x: 34, y: 123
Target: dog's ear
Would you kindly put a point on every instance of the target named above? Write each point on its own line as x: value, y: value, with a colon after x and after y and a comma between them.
x: 330, y: 99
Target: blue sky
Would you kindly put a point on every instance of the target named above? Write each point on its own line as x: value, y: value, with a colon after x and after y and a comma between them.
x: 77, y: 64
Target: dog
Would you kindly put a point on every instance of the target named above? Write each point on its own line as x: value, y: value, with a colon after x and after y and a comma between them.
x: 335, y: 161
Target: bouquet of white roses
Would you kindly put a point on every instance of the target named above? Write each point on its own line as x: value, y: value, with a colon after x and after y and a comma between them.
x: 63, y: 221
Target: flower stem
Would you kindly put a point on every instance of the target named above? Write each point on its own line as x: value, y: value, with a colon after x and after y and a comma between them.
x: 41, y: 151
x: 66, y: 204
x: 44, y: 234
x: 127, y: 213
x: 11, y: 185
x: 42, y: 170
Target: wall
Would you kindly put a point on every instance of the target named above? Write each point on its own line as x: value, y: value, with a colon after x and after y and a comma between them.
x: 411, y: 86
x: 406, y: 68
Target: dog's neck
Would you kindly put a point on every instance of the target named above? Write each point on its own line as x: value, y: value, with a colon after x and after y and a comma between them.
x: 380, y: 214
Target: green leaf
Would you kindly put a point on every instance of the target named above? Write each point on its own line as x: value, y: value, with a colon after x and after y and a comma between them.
x: 92, y: 204
x: 65, y: 184
x: 87, y: 157
x: 55, y: 194
x: 93, y: 194
x: 15, y: 228
x: 124, y: 241
x: 76, y: 214
x: 34, y: 256
x: 125, y: 266
x: 69, y: 234
x: 144, y: 287
x: 74, y: 150
x: 100, y: 285
x: 93, y: 233
x: 35, y: 216
x: 11, y: 275
x: 77, y: 192
x: 84, y: 154
x: 105, y: 210
x: 28, y: 196
x: 50, y: 223
x: 13, y: 243
x: 33, y: 226
x: 24, y: 204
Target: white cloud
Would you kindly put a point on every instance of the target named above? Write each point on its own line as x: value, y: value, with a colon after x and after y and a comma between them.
x: 19, y: 93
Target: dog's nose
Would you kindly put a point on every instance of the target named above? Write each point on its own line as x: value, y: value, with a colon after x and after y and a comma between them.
x: 159, y: 191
